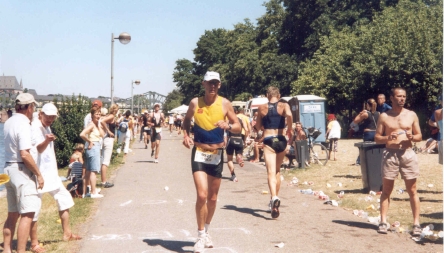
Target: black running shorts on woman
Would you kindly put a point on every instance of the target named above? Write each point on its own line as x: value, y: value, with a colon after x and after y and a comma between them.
x: 211, y: 162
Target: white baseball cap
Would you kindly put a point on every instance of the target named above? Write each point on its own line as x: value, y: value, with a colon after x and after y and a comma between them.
x: 50, y: 109
x: 210, y: 75
x: 25, y: 99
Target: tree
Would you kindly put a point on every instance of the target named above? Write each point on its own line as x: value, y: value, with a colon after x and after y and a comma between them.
x: 188, y: 83
x: 69, y: 125
x: 173, y: 99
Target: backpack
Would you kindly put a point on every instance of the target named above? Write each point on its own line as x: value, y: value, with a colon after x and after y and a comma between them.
x: 123, y: 126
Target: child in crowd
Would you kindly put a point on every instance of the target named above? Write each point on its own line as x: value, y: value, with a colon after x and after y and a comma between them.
x: 76, y: 169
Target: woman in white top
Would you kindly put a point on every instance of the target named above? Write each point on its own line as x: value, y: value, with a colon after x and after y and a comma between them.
x: 333, y: 134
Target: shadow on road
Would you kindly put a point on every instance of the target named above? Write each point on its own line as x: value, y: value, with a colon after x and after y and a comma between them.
x: 175, y: 246
x: 356, y: 224
x: 253, y: 212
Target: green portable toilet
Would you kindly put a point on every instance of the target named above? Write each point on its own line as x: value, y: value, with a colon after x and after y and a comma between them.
x: 310, y: 111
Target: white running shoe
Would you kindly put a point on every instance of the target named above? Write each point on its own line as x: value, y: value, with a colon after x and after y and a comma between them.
x: 208, y: 241
x: 199, y: 246
x: 156, y: 161
x: 96, y: 196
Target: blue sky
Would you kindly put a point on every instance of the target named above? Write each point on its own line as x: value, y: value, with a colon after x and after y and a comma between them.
x: 65, y: 46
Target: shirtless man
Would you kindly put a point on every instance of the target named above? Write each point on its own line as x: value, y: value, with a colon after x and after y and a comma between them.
x: 397, y: 129
x: 207, y: 155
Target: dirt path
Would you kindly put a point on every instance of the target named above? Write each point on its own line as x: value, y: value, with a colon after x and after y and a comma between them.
x: 151, y: 209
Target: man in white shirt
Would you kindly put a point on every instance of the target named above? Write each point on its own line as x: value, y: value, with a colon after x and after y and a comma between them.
x: 25, y: 177
x: 43, y: 153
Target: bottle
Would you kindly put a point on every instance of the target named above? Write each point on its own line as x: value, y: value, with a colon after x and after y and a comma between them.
x: 307, y: 191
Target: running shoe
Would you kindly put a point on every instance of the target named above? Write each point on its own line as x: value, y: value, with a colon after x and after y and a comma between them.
x: 108, y: 185
x: 208, y: 241
x: 199, y: 246
x: 275, y: 207
x: 233, y: 178
x: 156, y: 161
x: 96, y: 196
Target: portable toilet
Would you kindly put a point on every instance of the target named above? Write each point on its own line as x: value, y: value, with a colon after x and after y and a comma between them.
x: 310, y: 111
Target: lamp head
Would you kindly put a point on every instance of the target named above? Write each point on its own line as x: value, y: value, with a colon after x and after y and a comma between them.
x: 124, y: 38
x: 137, y: 82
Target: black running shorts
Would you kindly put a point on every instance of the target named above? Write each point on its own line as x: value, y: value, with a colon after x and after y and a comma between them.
x: 235, y: 144
x: 214, y: 170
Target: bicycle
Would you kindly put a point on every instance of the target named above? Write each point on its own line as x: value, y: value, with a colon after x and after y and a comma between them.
x: 318, y: 153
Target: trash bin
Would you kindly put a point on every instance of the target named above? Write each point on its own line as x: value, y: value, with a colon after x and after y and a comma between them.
x: 371, y: 157
x: 301, y: 152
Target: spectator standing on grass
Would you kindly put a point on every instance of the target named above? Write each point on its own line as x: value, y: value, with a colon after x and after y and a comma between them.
x: 207, y: 162
x: 108, y: 124
x: 92, y: 135
x: 44, y: 154
x: 25, y: 177
x: 369, y: 118
x: 272, y: 117
x: 382, y: 106
x: 333, y: 134
x: 95, y: 104
x: 397, y: 129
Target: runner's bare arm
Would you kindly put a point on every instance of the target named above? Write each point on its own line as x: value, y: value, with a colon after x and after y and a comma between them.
x: 232, y: 118
x: 289, y: 117
x: 187, y: 141
x: 258, y: 125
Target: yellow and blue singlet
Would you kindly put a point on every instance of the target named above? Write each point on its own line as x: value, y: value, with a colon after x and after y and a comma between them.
x: 205, y: 118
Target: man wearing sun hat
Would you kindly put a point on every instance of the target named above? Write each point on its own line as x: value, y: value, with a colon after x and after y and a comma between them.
x: 209, y: 114
x: 25, y: 177
x: 44, y: 154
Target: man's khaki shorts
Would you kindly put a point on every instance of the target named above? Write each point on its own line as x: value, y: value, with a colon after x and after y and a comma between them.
x: 399, y: 160
x: 21, y: 190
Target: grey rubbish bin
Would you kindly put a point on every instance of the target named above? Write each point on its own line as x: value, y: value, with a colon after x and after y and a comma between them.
x: 301, y: 152
x: 371, y: 156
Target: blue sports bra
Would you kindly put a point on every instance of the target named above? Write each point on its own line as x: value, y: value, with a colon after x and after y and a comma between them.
x: 273, y: 120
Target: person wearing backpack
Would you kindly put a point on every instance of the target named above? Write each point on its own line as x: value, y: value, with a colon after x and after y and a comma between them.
x: 125, y: 126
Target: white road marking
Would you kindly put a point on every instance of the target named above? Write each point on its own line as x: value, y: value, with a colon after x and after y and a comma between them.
x: 246, y: 231
x: 110, y: 237
x: 186, y: 232
x: 126, y: 203
x: 157, y: 235
x: 154, y: 202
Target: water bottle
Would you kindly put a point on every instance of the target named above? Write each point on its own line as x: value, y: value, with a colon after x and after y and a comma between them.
x: 307, y: 191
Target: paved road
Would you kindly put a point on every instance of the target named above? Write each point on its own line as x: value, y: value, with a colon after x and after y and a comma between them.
x: 140, y: 215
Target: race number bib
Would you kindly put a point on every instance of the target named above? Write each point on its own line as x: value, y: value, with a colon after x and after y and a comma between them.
x: 208, y: 157
x: 146, y: 128
x: 158, y: 129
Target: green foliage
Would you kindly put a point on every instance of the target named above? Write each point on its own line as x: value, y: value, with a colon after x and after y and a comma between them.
x: 68, y: 126
x: 173, y: 99
x: 244, y: 96
x: 346, y: 51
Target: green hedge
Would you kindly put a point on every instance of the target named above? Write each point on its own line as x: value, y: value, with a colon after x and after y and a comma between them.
x: 68, y: 126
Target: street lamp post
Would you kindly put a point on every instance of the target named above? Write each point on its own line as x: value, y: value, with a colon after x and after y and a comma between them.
x: 132, y: 97
x: 124, y: 38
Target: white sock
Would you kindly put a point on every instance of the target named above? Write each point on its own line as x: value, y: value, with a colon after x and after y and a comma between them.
x: 206, y: 227
x: 201, y: 233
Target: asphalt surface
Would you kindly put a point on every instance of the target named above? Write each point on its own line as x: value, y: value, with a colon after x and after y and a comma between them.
x: 151, y: 209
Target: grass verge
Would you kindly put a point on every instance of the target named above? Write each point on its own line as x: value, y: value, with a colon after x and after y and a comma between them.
x: 341, y: 176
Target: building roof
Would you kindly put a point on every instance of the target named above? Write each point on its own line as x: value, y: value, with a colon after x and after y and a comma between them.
x: 10, y: 83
